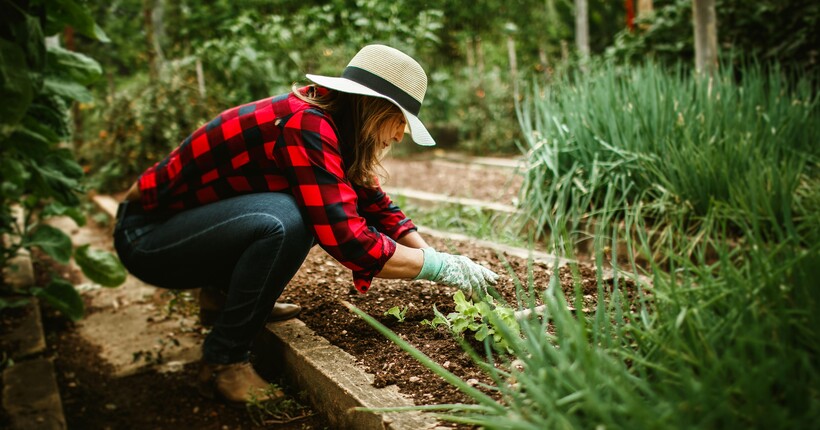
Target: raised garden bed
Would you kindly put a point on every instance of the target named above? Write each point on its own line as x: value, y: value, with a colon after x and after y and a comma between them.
x: 322, y: 284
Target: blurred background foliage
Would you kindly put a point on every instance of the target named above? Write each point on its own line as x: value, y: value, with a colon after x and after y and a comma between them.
x: 172, y: 65
x: 39, y: 176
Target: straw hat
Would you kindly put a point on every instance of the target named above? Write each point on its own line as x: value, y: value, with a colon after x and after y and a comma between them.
x: 385, y: 72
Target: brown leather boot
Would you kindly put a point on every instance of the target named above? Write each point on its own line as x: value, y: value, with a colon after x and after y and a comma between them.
x: 236, y: 383
x: 212, y: 301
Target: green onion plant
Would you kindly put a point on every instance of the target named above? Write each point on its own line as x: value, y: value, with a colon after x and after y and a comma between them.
x: 743, y: 140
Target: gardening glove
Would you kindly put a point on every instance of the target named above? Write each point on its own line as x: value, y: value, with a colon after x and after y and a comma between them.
x: 458, y: 271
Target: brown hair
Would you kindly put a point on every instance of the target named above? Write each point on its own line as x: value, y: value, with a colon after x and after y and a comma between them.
x: 363, y: 123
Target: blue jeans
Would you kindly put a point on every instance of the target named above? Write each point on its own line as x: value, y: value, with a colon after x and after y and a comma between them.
x: 248, y: 246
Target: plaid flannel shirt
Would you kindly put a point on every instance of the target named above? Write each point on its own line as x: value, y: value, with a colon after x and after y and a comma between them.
x: 282, y: 144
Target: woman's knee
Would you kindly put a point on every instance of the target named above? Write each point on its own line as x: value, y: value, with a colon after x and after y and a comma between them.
x: 278, y: 215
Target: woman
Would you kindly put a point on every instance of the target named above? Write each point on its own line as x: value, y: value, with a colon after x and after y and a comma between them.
x: 240, y: 202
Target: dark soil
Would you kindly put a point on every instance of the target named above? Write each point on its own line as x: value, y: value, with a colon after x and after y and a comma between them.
x: 93, y: 399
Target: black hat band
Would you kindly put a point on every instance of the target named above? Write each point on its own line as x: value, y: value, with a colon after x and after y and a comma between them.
x: 383, y: 87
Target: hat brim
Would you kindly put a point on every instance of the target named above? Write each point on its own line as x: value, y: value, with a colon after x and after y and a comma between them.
x: 418, y: 132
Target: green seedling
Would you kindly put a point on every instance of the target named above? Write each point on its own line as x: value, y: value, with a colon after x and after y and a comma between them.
x: 399, y: 313
x: 439, y: 319
x: 484, y: 318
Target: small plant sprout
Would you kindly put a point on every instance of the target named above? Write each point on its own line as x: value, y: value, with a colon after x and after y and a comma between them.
x: 399, y: 313
x: 438, y: 320
x: 482, y: 317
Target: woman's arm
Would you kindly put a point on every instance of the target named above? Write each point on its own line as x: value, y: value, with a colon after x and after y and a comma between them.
x: 405, y: 263
x: 440, y: 267
x: 413, y: 240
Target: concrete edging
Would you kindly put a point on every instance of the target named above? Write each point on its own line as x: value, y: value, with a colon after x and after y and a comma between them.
x: 31, y: 397
x: 499, y: 162
x: 450, y: 200
x: 333, y: 382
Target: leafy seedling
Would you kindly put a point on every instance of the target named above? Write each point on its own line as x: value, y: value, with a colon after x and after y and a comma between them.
x: 481, y: 317
x: 399, y: 313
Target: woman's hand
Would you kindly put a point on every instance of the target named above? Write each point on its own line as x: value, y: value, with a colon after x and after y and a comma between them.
x: 458, y: 271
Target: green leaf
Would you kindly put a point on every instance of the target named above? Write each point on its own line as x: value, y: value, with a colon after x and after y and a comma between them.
x: 59, y: 209
x: 50, y: 182
x: 71, y: 13
x: 100, y: 266
x: 41, y: 132
x: 68, y: 89
x: 461, y: 302
x: 396, y: 312
x: 52, y: 241
x: 483, y: 308
x: 58, y: 175
x: 482, y: 332
x: 29, y: 36
x: 16, y: 86
x: 62, y: 160
x: 62, y: 295
x: 14, y: 176
x: 51, y: 111
x: 30, y: 144
x: 440, y: 318
x: 74, y: 65
x: 460, y: 324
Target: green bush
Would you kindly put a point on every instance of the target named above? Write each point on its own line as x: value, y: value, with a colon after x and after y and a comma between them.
x: 486, y: 115
x: 40, y: 175
x: 785, y: 32
x: 253, y: 58
x: 139, y: 125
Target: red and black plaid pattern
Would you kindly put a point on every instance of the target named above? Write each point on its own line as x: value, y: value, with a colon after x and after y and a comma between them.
x: 282, y: 144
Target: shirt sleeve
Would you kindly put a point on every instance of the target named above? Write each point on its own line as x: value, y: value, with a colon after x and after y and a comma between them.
x: 380, y: 211
x: 308, y: 155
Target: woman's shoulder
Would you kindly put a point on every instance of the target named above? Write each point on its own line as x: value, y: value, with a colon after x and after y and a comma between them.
x: 289, y: 104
